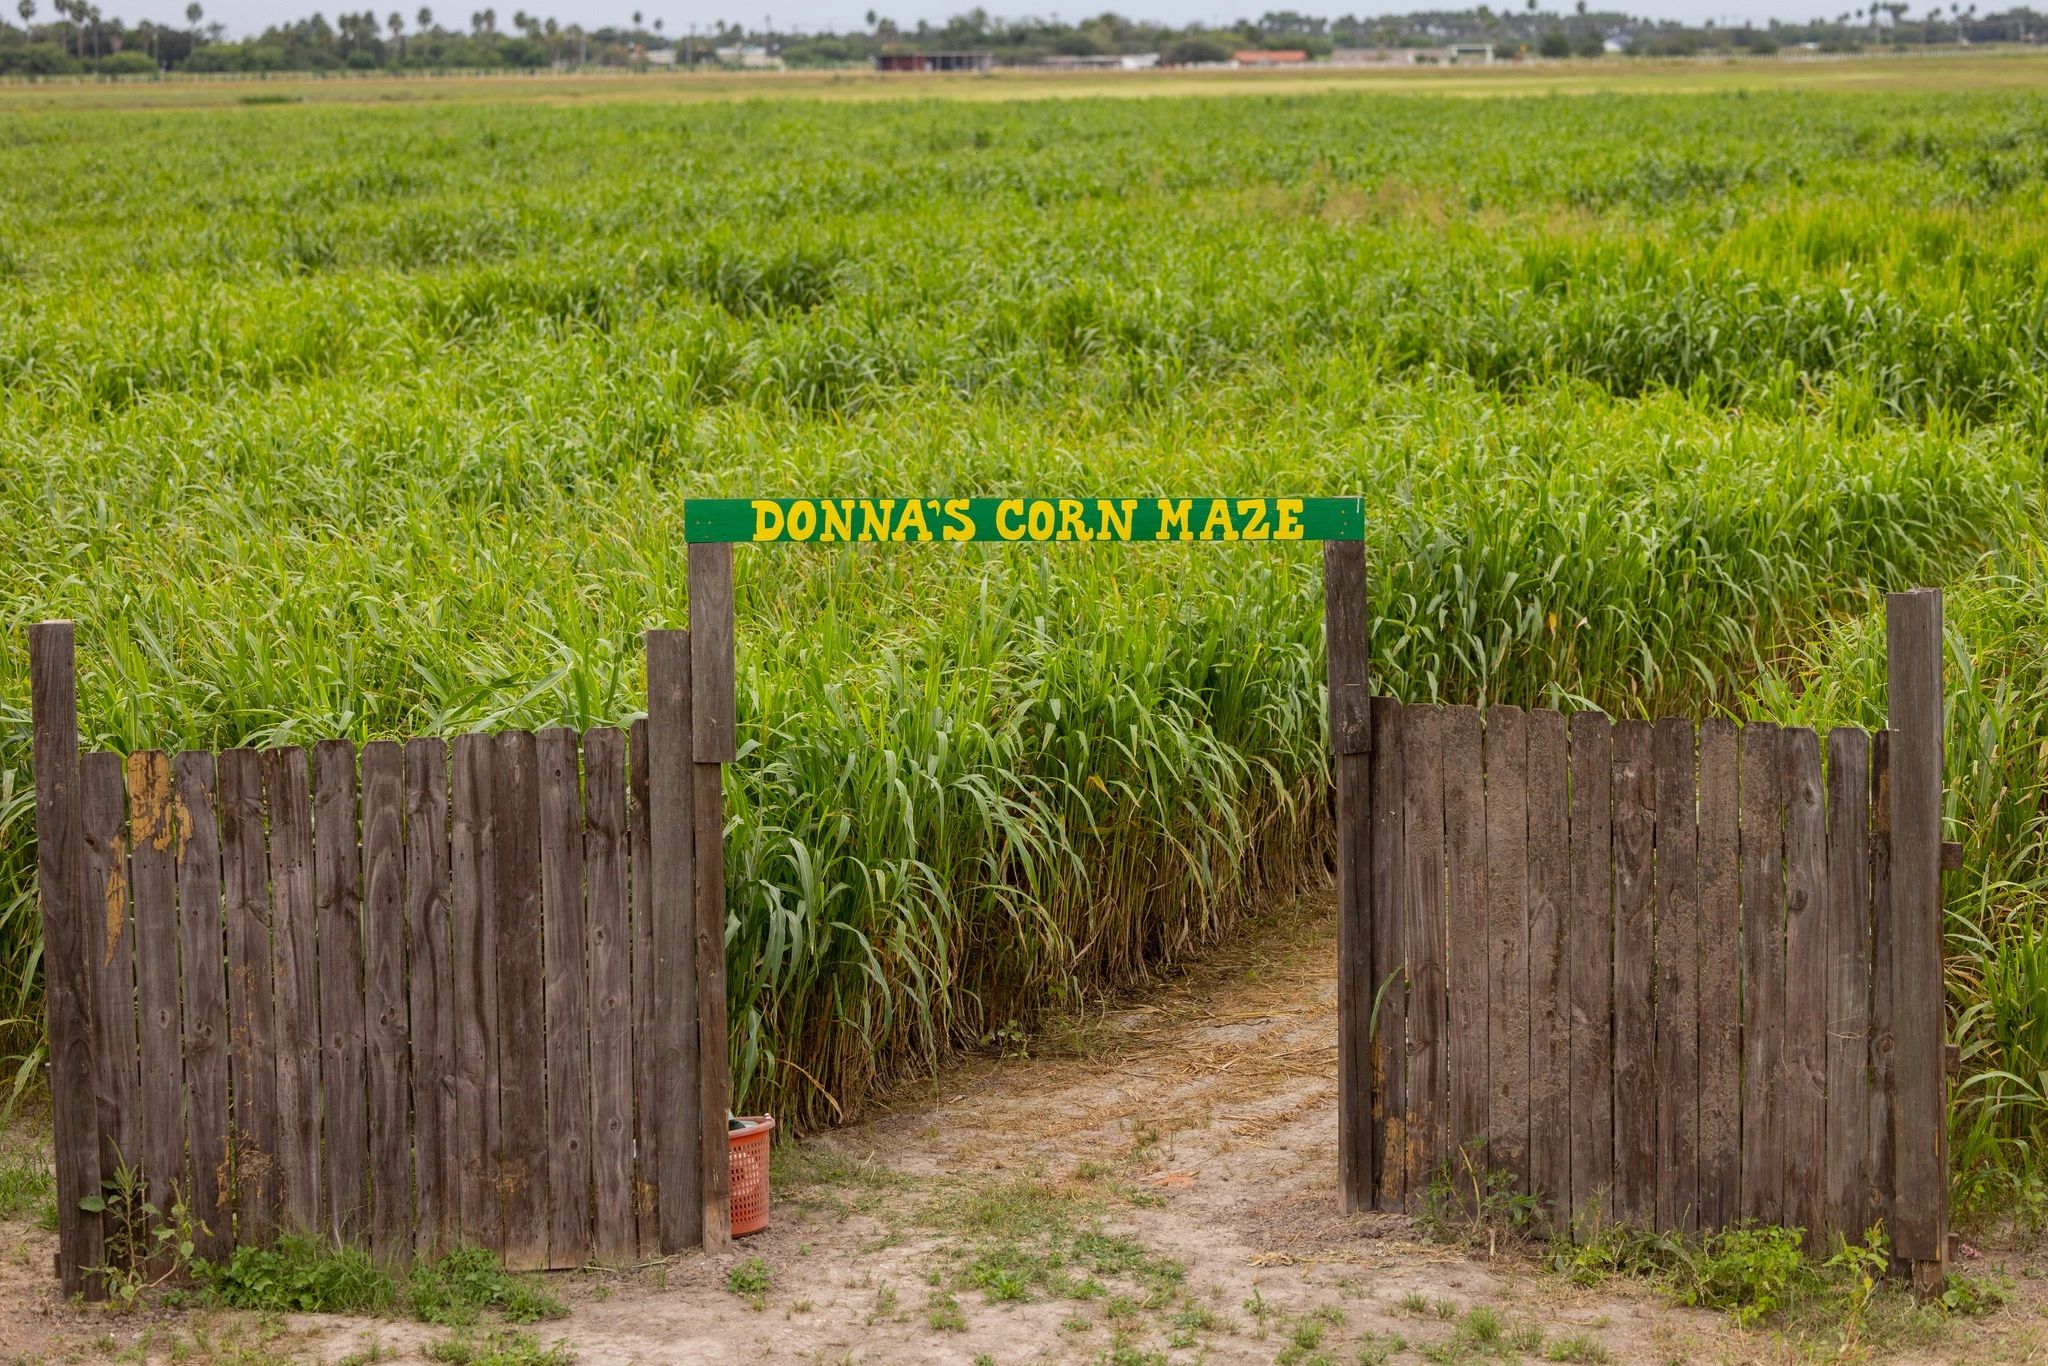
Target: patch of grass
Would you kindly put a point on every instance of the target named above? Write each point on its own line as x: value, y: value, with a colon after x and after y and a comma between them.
x: 28, y: 1190
x: 1577, y: 1348
x: 1378, y: 1350
x: 1186, y: 1325
x: 300, y: 1274
x: 456, y: 1288
x: 942, y: 1311
x: 499, y: 1347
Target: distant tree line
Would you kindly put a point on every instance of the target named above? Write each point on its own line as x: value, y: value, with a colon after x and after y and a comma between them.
x: 74, y: 37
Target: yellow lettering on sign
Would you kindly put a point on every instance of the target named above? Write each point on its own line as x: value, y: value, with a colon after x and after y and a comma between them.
x: 803, y: 520
x: 1040, y: 527
x: 1253, y: 511
x: 874, y: 519
x: 1007, y: 514
x: 1173, y: 512
x: 1113, y: 526
x: 838, y: 519
x: 913, y: 511
x: 1218, y: 522
x: 1072, y: 527
x: 767, y: 519
x: 958, y: 525
x: 1289, y: 528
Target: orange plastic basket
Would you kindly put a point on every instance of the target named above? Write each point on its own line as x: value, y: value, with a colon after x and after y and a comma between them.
x: 747, y: 1136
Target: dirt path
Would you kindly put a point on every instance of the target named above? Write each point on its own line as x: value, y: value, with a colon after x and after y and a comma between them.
x: 1157, y: 1183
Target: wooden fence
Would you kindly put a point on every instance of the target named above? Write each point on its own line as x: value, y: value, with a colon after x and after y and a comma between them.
x: 1670, y: 974
x: 405, y: 995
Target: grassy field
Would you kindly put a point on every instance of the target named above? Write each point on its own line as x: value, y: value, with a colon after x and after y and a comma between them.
x: 1938, y: 70
x: 373, y: 417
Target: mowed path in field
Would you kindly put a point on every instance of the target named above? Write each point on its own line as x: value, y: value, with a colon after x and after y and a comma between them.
x: 1157, y: 1182
x: 1997, y: 69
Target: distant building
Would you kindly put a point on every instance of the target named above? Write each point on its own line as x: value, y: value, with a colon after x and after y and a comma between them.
x: 747, y: 58
x: 1128, y: 61
x: 1457, y: 54
x: 658, y: 56
x: 1259, y: 57
x: 1471, y: 54
x: 934, y: 61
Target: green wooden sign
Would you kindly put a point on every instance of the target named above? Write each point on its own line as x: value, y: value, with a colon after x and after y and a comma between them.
x: 830, y: 521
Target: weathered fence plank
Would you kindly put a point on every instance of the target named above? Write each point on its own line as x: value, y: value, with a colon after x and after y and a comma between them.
x: 1848, y: 979
x: 1422, y: 898
x: 715, y: 727
x: 1677, y: 976
x: 714, y: 1099
x: 522, y: 1014
x: 1465, y: 916
x: 1913, y: 633
x: 386, y: 1047
x: 1763, y: 971
x: 117, y: 1062
x: 1507, y: 941
x: 672, y: 912
x: 1550, y: 1155
x: 1635, y: 1082
x: 1347, y: 642
x: 647, y: 1039
x: 1720, y: 978
x: 252, y: 1029
x: 201, y: 951
x: 430, y: 994
x: 1389, y: 1029
x: 1589, y: 943
x: 611, y: 995
x: 567, y: 994
x: 70, y: 911
x: 1883, y: 1035
x: 1804, y: 1155
x: 473, y: 980
x: 338, y: 889
x: 295, y: 984
x: 152, y: 873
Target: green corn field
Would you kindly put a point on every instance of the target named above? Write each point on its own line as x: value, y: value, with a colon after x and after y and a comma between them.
x: 377, y: 421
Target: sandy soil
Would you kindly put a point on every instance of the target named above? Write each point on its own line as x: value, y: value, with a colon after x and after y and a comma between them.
x: 1155, y: 1183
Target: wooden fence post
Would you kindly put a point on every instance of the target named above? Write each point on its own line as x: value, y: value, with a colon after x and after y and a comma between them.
x: 1913, y: 642
x: 714, y: 744
x: 1347, y: 628
x: 671, y: 881
x: 53, y: 686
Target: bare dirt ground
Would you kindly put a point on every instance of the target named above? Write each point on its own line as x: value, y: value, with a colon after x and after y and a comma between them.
x: 1154, y: 1182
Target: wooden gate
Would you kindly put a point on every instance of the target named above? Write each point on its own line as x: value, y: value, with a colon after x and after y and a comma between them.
x: 1670, y: 974
x: 406, y: 995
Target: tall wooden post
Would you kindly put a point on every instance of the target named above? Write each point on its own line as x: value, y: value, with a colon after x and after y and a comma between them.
x: 714, y: 744
x: 1347, y: 628
x: 1913, y: 631
x: 671, y: 907
x: 60, y: 870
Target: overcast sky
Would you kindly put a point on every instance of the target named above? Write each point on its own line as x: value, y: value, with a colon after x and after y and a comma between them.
x: 250, y: 16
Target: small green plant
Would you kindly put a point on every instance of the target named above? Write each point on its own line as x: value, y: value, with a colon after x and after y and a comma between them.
x: 1474, y: 1206
x: 750, y: 1280
x: 1750, y: 1270
x: 456, y: 1288
x: 499, y: 1347
x: 1415, y: 1302
x: 1966, y: 1294
x: 145, y: 1246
